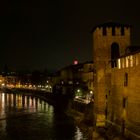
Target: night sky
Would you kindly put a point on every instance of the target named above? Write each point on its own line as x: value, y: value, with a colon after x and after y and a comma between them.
x: 50, y: 34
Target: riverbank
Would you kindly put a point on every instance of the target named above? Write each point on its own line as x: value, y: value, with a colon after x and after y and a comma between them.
x: 30, y: 118
x: 79, y: 119
x: 82, y: 118
x: 90, y: 131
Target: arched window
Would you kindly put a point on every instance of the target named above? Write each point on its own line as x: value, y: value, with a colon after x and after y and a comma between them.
x: 115, y: 53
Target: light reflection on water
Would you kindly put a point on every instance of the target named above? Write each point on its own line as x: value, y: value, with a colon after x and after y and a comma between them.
x: 26, y: 117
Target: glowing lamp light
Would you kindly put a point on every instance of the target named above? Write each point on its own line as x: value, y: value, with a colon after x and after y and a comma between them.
x: 75, y: 62
x: 91, y: 92
x: 3, y: 84
x: 78, y: 90
x: 76, y: 97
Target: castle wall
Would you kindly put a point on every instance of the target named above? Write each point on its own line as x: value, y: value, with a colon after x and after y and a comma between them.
x: 117, y: 97
x: 123, y: 101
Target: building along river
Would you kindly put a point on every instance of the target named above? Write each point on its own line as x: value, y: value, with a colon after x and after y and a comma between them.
x: 24, y: 117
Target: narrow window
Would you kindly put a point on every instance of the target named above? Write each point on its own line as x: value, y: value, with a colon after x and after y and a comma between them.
x: 114, y: 54
x: 124, y: 102
x: 126, y: 79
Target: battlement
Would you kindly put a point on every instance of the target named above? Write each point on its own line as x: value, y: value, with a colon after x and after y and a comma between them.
x: 112, y: 29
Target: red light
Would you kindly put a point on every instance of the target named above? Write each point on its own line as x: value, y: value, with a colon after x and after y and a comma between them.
x: 75, y: 62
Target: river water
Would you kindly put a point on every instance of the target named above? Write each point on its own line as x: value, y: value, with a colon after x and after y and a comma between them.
x: 25, y: 117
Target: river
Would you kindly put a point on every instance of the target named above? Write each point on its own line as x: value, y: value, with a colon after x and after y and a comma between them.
x: 23, y: 117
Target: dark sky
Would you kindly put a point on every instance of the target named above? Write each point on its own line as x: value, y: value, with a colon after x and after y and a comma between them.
x: 50, y: 34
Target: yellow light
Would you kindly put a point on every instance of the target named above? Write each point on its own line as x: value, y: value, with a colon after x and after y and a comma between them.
x: 119, y: 63
x: 91, y: 92
x: 3, y: 84
x: 127, y: 61
x: 78, y: 90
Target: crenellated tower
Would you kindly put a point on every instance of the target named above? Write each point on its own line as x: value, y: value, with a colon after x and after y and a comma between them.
x: 110, y: 41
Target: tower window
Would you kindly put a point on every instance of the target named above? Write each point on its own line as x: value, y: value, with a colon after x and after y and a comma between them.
x: 126, y: 79
x: 124, y: 102
x: 114, y: 54
x: 104, y: 31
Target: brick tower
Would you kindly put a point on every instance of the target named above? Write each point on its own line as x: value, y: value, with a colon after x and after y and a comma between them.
x: 110, y: 40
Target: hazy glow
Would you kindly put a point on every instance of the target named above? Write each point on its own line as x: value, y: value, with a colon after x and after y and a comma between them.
x: 79, y: 134
x: 78, y: 90
x: 75, y: 62
x: 119, y: 63
x: 127, y: 61
x: 91, y: 92
x: 131, y: 61
x: 3, y: 84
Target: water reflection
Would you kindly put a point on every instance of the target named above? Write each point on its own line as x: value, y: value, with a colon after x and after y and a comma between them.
x: 18, y: 101
x: 78, y: 134
x: 31, y: 118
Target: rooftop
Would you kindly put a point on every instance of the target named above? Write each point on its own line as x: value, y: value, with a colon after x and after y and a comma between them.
x: 131, y: 50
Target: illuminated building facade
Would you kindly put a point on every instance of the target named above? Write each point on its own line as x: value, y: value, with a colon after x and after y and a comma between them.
x: 122, y: 98
x: 74, y: 77
x: 117, y: 99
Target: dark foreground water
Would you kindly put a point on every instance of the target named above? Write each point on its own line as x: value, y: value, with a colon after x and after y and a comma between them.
x: 30, y: 118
